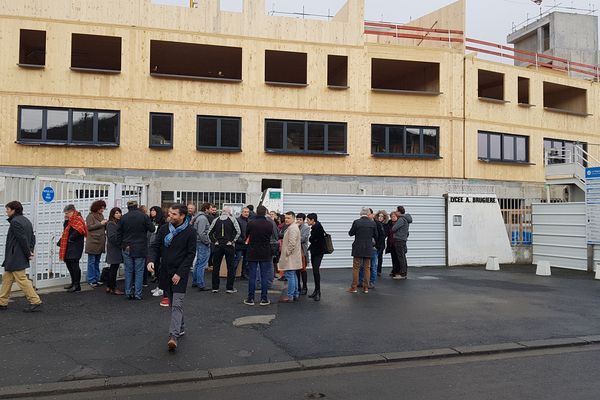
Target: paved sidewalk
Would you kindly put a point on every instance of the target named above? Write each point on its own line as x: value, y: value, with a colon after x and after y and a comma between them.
x: 92, y: 335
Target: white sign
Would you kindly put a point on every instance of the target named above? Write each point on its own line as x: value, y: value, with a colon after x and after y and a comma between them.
x: 592, y: 200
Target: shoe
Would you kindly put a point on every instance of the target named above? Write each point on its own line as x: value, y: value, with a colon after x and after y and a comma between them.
x: 303, y: 292
x: 264, y: 303
x: 351, y: 290
x: 158, y: 292
x: 68, y: 287
x: 138, y: 298
x: 215, y: 290
x: 203, y: 289
x: 165, y: 302
x: 231, y: 291
x: 74, y: 289
x: 94, y: 285
x: 402, y: 277
x: 249, y: 302
x: 194, y: 285
x: 144, y: 285
x: 311, y: 296
x: 130, y: 297
x: 296, y: 298
x: 399, y: 277
x: 3, y: 308
x: 108, y: 290
x: 33, y: 308
x: 181, y: 334
x: 371, y: 286
x: 286, y: 300
x: 365, y: 291
x: 118, y: 292
x: 317, y: 297
x: 172, y: 343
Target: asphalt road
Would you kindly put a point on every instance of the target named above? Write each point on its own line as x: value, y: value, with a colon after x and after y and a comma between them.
x: 560, y: 374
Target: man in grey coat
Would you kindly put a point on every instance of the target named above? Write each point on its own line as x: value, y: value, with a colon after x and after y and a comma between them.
x: 364, y: 231
x: 203, y: 246
x: 401, y: 233
x: 20, y: 242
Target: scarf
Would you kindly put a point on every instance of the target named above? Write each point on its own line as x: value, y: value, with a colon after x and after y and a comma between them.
x: 174, y: 232
x: 77, y: 223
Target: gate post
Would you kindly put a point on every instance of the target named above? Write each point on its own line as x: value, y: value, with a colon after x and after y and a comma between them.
x: 34, y: 221
x: 112, y: 200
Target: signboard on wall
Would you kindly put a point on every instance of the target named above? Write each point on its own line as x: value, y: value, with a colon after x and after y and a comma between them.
x: 592, y: 200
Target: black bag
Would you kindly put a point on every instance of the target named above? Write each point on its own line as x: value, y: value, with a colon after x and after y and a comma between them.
x: 104, y: 275
x: 328, y: 244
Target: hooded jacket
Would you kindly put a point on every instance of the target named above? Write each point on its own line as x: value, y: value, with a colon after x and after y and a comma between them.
x: 400, y: 228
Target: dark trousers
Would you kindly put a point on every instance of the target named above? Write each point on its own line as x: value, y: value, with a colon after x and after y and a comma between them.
x: 395, y: 261
x: 401, y: 250
x: 229, y: 253
x: 302, y: 279
x: 112, y: 276
x: 315, y: 260
x: 379, y: 261
x: 74, y: 271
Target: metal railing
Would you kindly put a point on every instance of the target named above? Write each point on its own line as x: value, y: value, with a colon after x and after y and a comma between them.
x: 414, y: 32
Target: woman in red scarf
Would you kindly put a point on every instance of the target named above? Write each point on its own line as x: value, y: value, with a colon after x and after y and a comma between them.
x: 71, y: 245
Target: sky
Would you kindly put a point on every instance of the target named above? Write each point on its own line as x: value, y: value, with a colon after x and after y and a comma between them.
x: 488, y: 20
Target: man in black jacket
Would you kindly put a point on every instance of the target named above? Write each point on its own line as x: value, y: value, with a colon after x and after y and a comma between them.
x: 20, y: 242
x: 365, y: 235
x: 175, y: 247
x: 223, y: 232
x: 259, y: 233
x: 240, y: 243
x: 133, y: 231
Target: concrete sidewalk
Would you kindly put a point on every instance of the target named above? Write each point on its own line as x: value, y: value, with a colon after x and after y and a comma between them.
x: 92, y: 335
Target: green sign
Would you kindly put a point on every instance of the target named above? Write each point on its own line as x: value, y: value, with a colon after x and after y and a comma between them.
x: 274, y: 195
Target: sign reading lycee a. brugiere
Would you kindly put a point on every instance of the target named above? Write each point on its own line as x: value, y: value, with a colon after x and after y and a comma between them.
x: 592, y: 200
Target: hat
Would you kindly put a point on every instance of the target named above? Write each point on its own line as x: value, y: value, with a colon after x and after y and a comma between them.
x: 365, y: 211
x: 132, y: 203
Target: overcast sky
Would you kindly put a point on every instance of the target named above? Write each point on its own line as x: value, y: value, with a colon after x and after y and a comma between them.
x: 486, y: 19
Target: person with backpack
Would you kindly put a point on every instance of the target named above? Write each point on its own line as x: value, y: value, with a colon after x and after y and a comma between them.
x: 317, y: 250
x: 223, y: 232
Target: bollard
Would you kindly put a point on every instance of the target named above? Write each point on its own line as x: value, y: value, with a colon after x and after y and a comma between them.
x: 543, y: 268
x: 597, y: 270
x: 492, y: 264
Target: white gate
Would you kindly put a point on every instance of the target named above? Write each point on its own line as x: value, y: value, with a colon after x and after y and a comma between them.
x: 559, y: 235
x: 43, y: 201
x: 427, y: 241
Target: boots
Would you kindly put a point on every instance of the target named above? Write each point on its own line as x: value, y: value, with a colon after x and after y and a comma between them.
x: 317, y: 296
x: 303, y: 291
x: 75, y: 289
x: 314, y: 293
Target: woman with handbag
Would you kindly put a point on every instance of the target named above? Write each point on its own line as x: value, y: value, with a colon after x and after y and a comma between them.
x: 317, y: 251
x: 114, y: 254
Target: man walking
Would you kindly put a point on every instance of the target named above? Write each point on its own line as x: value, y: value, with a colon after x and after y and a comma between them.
x: 20, y: 242
x: 175, y: 247
x: 201, y: 225
x: 291, y: 257
x: 240, y: 243
x: 364, y: 231
x: 259, y: 233
x: 223, y: 232
x: 401, y: 233
x: 133, y: 231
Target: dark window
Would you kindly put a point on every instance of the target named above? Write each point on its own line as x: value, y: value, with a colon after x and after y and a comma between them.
x: 219, y: 133
x: 191, y: 60
x: 546, y: 37
x: 337, y: 71
x: 68, y: 126
x: 502, y: 147
x: 562, y: 98
x: 490, y: 85
x: 32, y: 48
x: 161, y: 130
x: 523, y: 90
x: 404, y: 141
x: 399, y: 75
x: 305, y: 137
x: 285, y: 67
x: 93, y: 52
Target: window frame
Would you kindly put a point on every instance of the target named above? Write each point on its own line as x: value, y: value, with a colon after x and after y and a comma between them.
x: 110, y: 71
x: 160, y: 146
x: 404, y: 154
x: 502, y: 158
x: 219, y: 148
x: 69, y: 142
x: 306, y: 123
x: 22, y: 57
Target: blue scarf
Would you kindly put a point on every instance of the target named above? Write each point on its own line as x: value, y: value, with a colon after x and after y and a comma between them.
x: 175, y: 231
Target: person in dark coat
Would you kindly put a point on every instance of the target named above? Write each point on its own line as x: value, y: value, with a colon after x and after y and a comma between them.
x: 114, y: 255
x: 133, y: 234
x: 157, y: 217
x: 20, y: 243
x: 391, y: 243
x: 365, y: 235
x: 379, y: 241
x: 259, y: 233
x: 401, y: 234
x: 317, y: 251
x: 175, y: 246
x: 95, y: 243
x: 71, y: 245
x: 240, y: 243
x: 381, y: 219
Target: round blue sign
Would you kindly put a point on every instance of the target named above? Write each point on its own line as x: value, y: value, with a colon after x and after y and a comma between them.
x: 48, y: 194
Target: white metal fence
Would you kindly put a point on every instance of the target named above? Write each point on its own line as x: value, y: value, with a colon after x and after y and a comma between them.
x: 47, y: 218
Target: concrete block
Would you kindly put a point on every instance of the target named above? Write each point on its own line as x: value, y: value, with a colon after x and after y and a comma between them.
x: 492, y: 264
x: 490, y: 348
x: 258, y: 369
x: 562, y: 342
x: 543, y: 268
x: 333, y: 362
x: 420, y: 354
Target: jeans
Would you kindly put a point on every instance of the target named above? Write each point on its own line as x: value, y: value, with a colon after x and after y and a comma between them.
x: 266, y: 274
x: 134, y: 273
x: 202, y: 256
x: 241, y: 254
x: 93, y: 268
x: 292, y: 281
x: 374, y: 260
x: 228, y: 252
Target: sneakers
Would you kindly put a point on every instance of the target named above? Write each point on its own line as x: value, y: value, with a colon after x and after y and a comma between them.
x: 371, y: 286
x: 351, y: 290
x: 249, y: 302
x: 215, y: 290
x: 182, y: 333
x: 172, y: 343
x: 94, y: 285
x: 165, y: 302
x: 231, y: 291
x: 33, y: 308
x: 157, y: 292
x: 399, y: 277
x: 365, y: 291
x: 264, y: 302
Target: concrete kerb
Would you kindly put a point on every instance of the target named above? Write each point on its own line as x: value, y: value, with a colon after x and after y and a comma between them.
x: 59, y: 388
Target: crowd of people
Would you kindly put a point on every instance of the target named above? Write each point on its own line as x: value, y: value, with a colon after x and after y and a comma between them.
x: 167, y: 248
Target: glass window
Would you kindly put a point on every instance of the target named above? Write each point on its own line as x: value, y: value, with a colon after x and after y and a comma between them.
x: 230, y: 133
x: 274, y: 135
x: 57, y: 127
x: 430, y: 141
x: 413, y: 141
x: 83, y: 126
x: 482, y: 145
x: 508, y: 148
x: 377, y: 139
x: 161, y: 130
x: 396, y: 140
x: 316, y: 137
x: 522, y: 149
x: 495, y: 147
x: 108, y: 127
x: 503, y: 147
x: 295, y: 136
x: 207, y: 132
x: 32, y: 123
x: 407, y: 141
x: 336, y: 138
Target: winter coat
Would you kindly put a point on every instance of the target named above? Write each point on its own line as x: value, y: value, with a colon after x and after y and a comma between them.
x: 223, y: 230
x: 20, y: 242
x: 133, y: 232
x: 240, y: 243
x: 291, y: 250
x: 74, y: 244
x: 95, y: 242
x: 400, y: 229
x: 114, y: 255
x: 304, y: 236
x: 317, y: 239
x: 380, y: 245
x: 175, y: 259
x: 365, y: 235
x: 260, y: 234
x: 201, y: 225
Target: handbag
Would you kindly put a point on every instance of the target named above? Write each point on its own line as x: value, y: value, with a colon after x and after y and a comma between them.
x: 328, y: 244
x: 104, y: 274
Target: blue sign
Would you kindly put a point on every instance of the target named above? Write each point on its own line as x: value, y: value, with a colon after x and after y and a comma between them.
x: 48, y: 194
x: 592, y: 173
